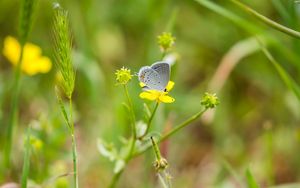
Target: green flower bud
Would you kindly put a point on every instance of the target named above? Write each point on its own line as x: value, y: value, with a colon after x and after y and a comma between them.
x: 160, y: 164
x: 166, y: 41
x: 210, y: 100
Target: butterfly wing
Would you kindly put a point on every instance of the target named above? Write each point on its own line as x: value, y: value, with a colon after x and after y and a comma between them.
x: 163, y: 70
x: 151, y: 78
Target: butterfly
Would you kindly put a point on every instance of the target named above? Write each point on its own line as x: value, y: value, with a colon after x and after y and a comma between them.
x: 156, y: 76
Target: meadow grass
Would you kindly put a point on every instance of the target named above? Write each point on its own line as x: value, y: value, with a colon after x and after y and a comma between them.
x: 93, y: 94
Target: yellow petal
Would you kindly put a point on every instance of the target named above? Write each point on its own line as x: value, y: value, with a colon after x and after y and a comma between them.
x: 166, y: 99
x: 11, y: 49
x: 31, y: 51
x: 170, y: 86
x: 148, y: 95
x: 142, y: 84
x: 30, y: 66
x: 44, y: 64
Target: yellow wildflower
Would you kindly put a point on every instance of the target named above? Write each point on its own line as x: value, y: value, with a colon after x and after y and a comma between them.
x: 32, y: 63
x: 159, y: 96
x: 123, y: 76
x: 165, y: 41
x: 36, y: 143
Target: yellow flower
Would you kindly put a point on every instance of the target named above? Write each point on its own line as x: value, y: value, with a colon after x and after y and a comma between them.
x: 32, y: 63
x: 166, y: 41
x: 159, y: 96
x: 36, y: 143
x: 123, y: 76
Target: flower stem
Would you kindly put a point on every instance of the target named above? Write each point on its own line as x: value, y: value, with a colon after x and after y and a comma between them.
x: 26, y: 161
x: 155, y: 148
x: 174, y: 130
x: 13, y: 111
x: 117, y: 175
x: 182, y: 125
x: 74, y: 150
x: 131, y: 112
x: 149, y: 121
x: 164, y: 178
x: 163, y: 54
x: 133, y: 127
x: 115, y: 179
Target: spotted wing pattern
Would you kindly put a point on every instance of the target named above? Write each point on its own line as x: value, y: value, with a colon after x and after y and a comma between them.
x: 151, y: 78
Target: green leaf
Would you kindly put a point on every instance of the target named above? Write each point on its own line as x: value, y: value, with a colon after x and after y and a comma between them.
x: 290, y: 83
x: 107, y: 150
x: 140, y: 128
x: 119, y: 165
x: 250, y: 180
x: 27, y: 11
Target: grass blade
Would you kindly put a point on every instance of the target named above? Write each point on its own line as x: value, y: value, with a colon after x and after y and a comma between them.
x: 25, y: 23
x: 267, y: 21
x: 26, y: 162
x: 290, y: 83
x: 252, y: 29
x: 281, y: 9
x: 250, y: 180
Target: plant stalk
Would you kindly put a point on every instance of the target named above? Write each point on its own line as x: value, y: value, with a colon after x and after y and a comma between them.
x: 149, y: 121
x: 182, y: 125
x: 26, y: 162
x: 116, y: 176
x: 13, y: 110
x: 266, y: 20
x: 74, y: 150
x: 174, y: 130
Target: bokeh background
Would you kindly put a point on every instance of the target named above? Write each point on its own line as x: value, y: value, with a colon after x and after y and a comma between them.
x: 256, y: 125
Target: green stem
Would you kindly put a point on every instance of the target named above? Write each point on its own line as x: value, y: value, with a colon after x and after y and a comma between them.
x: 174, y: 130
x: 133, y: 128
x: 156, y: 149
x: 163, y: 54
x: 168, y: 178
x: 13, y: 110
x: 182, y: 125
x: 162, y: 180
x: 74, y: 150
x: 115, y: 179
x: 290, y: 83
x: 149, y: 121
x: 267, y: 21
x: 116, y: 176
x: 26, y: 162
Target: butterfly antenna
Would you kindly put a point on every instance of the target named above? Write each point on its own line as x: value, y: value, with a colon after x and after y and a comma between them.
x: 135, y: 74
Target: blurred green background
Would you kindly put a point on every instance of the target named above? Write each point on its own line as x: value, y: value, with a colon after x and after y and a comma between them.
x: 256, y: 125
